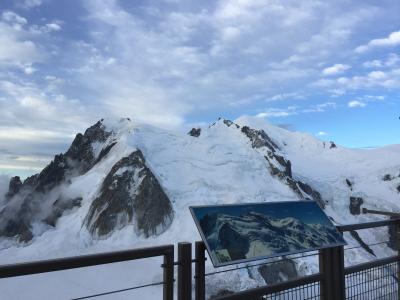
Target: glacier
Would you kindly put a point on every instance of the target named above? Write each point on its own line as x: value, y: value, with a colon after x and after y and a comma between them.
x: 245, y: 160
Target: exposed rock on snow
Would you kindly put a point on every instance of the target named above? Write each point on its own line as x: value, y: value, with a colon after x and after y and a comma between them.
x: 365, y: 246
x: 60, y: 206
x: 278, y: 271
x: 81, y: 151
x: 195, y: 132
x: 130, y: 191
x: 349, y: 184
x: 259, y: 138
x: 28, y: 202
x: 355, y: 205
x: 14, y: 187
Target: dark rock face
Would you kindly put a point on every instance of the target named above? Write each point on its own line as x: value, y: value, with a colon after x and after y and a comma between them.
x: 195, y: 132
x: 284, y: 173
x: 259, y: 138
x: 349, y: 184
x: 59, y: 207
x: 105, y: 151
x: 229, y: 123
x: 273, y: 273
x: 30, y: 198
x: 398, y: 188
x: 130, y: 191
x: 333, y: 145
x: 53, y: 174
x: 80, y: 155
x: 387, y: 177
x: 14, y: 187
x: 355, y: 205
x: 364, y: 245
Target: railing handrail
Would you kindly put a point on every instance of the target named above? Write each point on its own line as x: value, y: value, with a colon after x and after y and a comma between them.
x: 366, y: 225
x: 65, y: 263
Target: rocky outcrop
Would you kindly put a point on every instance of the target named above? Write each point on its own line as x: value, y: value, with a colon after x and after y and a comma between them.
x: 387, y: 177
x: 349, y: 184
x: 332, y: 145
x: 105, y: 151
x: 130, y: 191
x: 279, y: 271
x: 80, y: 155
x: 355, y: 205
x: 259, y: 138
x: 28, y: 200
x: 229, y: 123
x: 14, y: 187
x: 363, y: 244
x: 60, y: 206
x: 282, y: 168
x: 195, y: 132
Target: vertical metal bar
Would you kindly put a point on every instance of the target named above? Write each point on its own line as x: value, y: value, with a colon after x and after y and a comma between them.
x: 185, y: 271
x: 398, y: 253
x: 325, y: 269
x: 331, y: 266
x: 168, y: 292
x: 200, y: 269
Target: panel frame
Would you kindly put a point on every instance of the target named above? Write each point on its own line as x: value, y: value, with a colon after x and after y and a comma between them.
x: 217, y: 264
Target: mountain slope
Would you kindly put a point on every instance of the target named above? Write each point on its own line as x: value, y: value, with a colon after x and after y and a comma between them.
x: 70, y: 208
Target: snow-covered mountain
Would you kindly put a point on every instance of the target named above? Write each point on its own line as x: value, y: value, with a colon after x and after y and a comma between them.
x: 122, y: 185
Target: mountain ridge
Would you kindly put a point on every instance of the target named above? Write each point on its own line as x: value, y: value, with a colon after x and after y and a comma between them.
x: 222, y: 163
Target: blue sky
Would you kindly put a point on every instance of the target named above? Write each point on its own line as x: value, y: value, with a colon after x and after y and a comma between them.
x: 330, y: 68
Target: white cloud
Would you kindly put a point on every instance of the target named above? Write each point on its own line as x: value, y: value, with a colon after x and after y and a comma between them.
x: 28, y: 69
x: 392, y: 60
x: 392, y: 40
x: 321, y: 133
x: 230, y: 33
x: 14, y: 48
x: 335, y: 69
x: 28, y: 4
x: 356, y: 103
x: 15, y: 20
x: 53, y: 27
x: 376, y: 63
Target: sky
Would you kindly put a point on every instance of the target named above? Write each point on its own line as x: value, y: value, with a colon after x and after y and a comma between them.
x: 329, y: 68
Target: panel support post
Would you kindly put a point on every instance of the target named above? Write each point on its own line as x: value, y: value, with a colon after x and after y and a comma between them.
x: 331, y: 266
x: 168, y: 274
x: 200, y: 270
x: 397, y: 226
x: 184, y: 271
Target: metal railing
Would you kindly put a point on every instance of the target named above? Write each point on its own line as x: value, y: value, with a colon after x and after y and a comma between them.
x: 67, y: 263
x: 378, y: 279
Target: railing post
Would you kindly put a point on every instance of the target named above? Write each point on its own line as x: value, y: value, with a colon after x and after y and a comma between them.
x: 397, y: 226
x: 184, y: 271
x: 331, y: 266
x: 168, y: 275
x: 200, y: 270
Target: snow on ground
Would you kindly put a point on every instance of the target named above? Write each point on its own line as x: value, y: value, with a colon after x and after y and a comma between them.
x: 216, y: 168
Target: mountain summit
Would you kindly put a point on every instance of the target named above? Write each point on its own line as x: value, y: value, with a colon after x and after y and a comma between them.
x: 124, y: 185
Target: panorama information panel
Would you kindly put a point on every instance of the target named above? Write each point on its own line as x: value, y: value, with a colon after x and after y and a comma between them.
x: 244, y: 232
